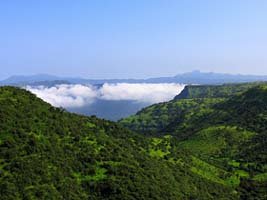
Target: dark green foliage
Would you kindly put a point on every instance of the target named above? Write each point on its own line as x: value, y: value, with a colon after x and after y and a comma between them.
x: 156, y: 118
x: 209, y: 146
x: 215, y: 91
x: 195, y: 101
x: 223, y: 127
x: 47, y: 153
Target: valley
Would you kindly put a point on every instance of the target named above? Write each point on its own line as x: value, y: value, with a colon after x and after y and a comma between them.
x: 200, y: 145
x: 133, y: 100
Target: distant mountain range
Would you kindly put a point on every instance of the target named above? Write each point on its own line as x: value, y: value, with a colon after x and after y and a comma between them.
x: 195, y: 77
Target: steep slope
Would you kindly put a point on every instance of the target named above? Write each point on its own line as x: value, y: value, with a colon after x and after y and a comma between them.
x: 224, y: 135
x: 47, y: 153
x: 189, y: 104
x: 247, y: 110
x: 215, y: 91
x: 234, y: 136
x: 153, y: 119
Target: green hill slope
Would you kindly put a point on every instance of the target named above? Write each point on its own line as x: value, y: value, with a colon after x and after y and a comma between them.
x: 233, y: 136
x: 215, y: 91
x: 192, y: 100
x: 157, y: 117
x: 47, y: 153
x: 226, y: 135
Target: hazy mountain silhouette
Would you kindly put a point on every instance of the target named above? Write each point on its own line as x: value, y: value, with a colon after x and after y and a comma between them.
x: 195, y: 77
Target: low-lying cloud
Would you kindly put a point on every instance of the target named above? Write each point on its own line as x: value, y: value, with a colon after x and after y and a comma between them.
x: 77, y: 95
x: 65, y: 95
x: 144, y: 92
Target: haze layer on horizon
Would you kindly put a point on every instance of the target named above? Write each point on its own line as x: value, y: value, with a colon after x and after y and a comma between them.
x: 132, y: 39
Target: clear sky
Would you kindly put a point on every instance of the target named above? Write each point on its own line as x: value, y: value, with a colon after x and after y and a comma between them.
x: 132, y: 38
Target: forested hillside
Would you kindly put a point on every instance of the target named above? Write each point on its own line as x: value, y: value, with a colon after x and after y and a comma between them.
x: 226, y: 132
x: 194, y: 100
x: 47, y: 153
x: 204, y: 148
x: 216, y: 91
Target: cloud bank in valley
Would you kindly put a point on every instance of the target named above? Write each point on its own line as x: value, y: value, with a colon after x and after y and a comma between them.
x: 76, y: 95
x: 143, y: 92
x: 65, y: 95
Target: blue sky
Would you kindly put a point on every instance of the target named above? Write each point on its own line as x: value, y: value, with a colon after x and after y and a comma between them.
x: 132, y: 39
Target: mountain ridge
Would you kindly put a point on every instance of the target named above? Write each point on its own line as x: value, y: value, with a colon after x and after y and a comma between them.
x: 195, y: 77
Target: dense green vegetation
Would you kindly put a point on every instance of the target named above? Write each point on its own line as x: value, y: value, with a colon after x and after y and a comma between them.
x: 208, y: 147
x: 215, y: 91
x: 193, y: 100
x: 47, y: 153
x: 155, y: 118
x: 224, y: 131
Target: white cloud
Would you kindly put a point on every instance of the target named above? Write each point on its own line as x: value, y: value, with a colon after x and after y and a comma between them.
x: 65, y: 95
x: 79, y: 95
x: 143, y: 92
